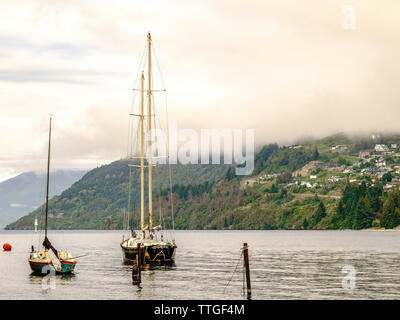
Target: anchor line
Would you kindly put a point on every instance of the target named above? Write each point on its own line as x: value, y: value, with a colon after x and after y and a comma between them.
x: 233, y: 273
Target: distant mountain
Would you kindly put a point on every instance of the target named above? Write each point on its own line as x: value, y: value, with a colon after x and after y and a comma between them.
x: 26, y: 192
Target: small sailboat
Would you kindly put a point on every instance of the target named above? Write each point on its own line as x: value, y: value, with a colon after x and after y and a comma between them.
x: 153, y: 250
x: 49, y: 257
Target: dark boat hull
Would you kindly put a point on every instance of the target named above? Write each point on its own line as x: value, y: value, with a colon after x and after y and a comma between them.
x: 160, y: 255
x: 153, y: 254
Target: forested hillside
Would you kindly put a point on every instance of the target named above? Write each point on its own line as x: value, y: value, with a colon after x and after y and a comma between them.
x: 338, y: 182
x: 98, y: 200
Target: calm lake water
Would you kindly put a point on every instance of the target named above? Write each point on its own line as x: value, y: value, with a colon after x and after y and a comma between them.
x: 284, y: 265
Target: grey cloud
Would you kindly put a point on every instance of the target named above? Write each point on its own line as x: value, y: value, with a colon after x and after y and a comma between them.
x: 62, y: 49
x: 49, y: 75
x: 284, y: 68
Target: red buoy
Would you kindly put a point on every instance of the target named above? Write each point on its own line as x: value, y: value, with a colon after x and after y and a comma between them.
x: 7, y: 247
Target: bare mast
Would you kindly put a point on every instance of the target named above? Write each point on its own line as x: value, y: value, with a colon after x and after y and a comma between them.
x: 48, y: 179
x: 142, y: 156
x: 149, y: 159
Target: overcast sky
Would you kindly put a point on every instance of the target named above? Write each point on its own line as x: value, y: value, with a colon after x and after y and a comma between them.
x: 287, y: 69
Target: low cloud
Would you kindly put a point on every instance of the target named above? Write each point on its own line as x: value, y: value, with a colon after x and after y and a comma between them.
x: 287, y: 70
x: 48, y: 75
x: 16, y: 205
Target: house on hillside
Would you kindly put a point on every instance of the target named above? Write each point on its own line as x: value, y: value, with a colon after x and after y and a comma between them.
x: 334, y: 179
x: 372, y: 170
x: 308, y: 184
x: 340, y: 148
x: 381, y: 148
x: 364, y: 154
x: 269, y: 176
x: 393, y: 146
x: 381, y: 162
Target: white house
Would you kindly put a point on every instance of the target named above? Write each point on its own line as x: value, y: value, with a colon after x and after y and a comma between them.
x: 381, y: 163
x: 340, y: 148
x: 307, y: 184
x: 381, y: 148
x: 334, y: 179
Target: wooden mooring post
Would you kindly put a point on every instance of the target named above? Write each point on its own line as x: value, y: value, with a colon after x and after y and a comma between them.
x: 247, y: 267
x: 136, y: 268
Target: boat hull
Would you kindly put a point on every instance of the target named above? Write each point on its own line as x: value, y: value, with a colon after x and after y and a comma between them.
x: 160, y: 254
x: 153, y: 254
x: 67, y: 267
x: 130, y: 255
x: 43, y: 268
x: 37, y: 267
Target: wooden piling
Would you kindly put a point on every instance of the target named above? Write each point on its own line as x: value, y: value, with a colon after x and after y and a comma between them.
x: 247, y: 267
x: 136, y: 268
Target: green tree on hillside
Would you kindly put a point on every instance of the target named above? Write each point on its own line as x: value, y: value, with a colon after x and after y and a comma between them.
x: 315, y: 154
x: 230, y: 174
x: 358, y: 206
x: 285, y: 177
x: 319, y: 214
x: 364, y: 215
x: 391, y: 211
x: 387, y: 177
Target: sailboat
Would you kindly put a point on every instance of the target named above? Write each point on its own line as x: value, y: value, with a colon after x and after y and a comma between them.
x: 153, y: 250
x: 49, y: 258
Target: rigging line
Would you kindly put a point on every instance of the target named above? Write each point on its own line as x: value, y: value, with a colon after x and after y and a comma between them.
x: 169, y: 169
x: 169, y: 163
x: 141, y: 63
x: 134, y: 208
x: 161, y: 215
x: 158, y: 65
x: 129, y: 197
x: 233, y: 273
x: 132, y: 226
x: 130, y: 187
x: 129, y: 142
x: 129, y: 134
x: 168, y: 147
x: 137, y: 148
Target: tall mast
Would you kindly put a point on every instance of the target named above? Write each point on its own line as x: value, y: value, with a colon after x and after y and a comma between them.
x: 142, y: 155
x: 149, y: 131
x: 47, y: 188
